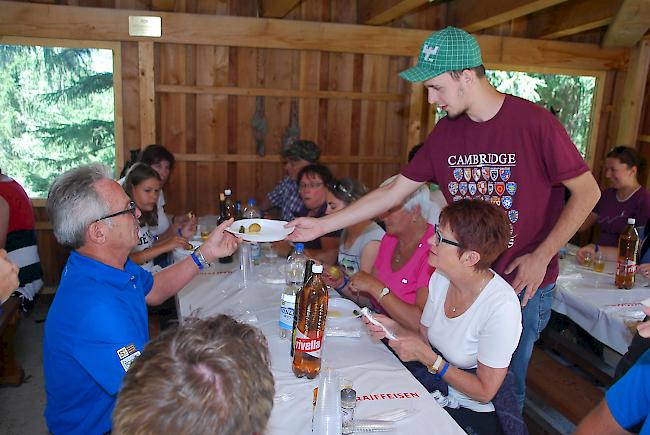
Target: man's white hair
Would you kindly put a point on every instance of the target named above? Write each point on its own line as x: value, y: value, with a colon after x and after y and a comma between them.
x: 431, y: 203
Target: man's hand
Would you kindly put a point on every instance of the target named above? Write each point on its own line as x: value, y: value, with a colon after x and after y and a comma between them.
x: 306, y: 229
x: 530, y: 274
x: 8, y: 276
x: 220, y: 243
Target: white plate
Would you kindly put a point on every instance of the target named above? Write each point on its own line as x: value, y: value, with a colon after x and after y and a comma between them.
x: 341, y: 310
x: 272, y: 231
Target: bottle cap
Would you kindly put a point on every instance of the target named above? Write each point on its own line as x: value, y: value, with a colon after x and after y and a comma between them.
x: 251, y: 201
x: 227, y: 192
x: 348, y: 394
x: 317, y: 268
x: 631, y: 221
x: 300, y: 247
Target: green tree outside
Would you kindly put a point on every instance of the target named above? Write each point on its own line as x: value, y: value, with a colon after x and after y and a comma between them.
x: 58, y: 112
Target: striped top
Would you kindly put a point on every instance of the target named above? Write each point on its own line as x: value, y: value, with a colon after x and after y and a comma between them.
x: 21, y: 246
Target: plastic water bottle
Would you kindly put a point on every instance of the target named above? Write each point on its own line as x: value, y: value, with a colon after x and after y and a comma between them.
x: 294, y: 273
x: 294, y: 270
x: 252, y: 212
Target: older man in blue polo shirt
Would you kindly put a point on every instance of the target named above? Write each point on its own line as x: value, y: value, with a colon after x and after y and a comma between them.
x: 97, y: 324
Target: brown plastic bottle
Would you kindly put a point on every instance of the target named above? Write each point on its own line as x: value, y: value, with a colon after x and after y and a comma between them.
x: 628, y: 244
x: 310, y: 328
x: 223, y: 217
x: 308, y: 265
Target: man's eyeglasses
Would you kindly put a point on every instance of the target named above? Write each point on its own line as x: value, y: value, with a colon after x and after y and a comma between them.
x: 439, y: 239
x: 131, y: 208
x: 303, y: 186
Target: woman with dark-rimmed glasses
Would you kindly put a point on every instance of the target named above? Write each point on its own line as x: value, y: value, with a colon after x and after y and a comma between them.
x: 357, y: 241
x: 471, y: 323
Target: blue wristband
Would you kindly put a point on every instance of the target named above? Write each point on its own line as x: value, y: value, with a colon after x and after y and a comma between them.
x: 196, y: 260
x: 180, y: 232
x: 442, y: 372
x: 346, y: 280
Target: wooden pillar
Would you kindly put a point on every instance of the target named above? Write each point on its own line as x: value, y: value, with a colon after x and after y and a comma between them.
x: 147, y: 93
x: 632, y: 100
x: 416, y: 101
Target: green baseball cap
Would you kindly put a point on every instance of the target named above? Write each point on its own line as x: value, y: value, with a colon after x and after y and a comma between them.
x: 449, y: 49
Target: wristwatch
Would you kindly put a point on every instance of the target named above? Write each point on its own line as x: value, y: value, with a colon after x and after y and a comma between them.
x: 435, y: 367
x: 383, y: 293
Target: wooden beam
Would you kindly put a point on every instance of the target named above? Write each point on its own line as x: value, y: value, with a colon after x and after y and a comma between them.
x: 396, y: 11
x: 266, y: 92
x: 473, y: 15
x: 630, y: 24
x: 571, y: 18
x: 147, y: 94
x: 644, y: 138
x: 632, y: 100
x: 278, y: 8
x: 73, y: 22
x: 276, y: 158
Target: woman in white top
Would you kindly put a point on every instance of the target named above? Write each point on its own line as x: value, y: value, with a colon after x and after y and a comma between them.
x: 142, y: 184
x: 472, y: 315
x: 354, y: 240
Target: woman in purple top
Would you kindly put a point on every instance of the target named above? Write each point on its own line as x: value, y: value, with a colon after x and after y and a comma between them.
x: 626, y: 198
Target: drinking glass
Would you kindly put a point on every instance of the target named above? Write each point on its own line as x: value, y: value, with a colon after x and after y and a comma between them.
x: 599, y: 262
x: 588, y: 260
x: 245, y: 263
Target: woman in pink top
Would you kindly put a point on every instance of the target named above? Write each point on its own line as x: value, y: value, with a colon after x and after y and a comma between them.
x: 398, y: 283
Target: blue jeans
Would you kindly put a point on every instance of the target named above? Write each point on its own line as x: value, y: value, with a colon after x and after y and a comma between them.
x: 534, y: 318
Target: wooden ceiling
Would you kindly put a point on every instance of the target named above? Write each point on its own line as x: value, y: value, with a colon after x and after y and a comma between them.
x: 611, y: 23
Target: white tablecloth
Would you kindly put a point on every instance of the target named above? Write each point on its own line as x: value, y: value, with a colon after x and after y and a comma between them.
x: 379, y: 378
x: 592, y: 301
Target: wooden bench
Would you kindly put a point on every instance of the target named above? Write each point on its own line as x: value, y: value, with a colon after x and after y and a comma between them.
x: 560, y: 387
x: 10, y: 371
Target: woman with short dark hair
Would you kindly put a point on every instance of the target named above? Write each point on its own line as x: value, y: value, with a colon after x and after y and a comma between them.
x: 471, y: 323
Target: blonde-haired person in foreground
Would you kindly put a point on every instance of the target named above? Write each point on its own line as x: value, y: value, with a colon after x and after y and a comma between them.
x: 206, y: 377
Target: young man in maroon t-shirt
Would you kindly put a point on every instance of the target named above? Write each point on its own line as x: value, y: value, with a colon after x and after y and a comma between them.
x: 498, y: 148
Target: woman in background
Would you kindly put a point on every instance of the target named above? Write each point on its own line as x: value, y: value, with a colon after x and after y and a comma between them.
x: 358, y: 241
x: 312, y: 188
x: 142, y: 184
x: 626, y: 198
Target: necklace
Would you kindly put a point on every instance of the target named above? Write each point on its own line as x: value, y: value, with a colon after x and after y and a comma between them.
x: 481, y: 286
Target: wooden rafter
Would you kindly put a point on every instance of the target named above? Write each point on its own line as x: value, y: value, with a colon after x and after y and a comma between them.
x: 473, y: 15
x: 278, y: 8
x: 571, y: 18
x: 630, y: 24
x: 396, y: 11
x: 74, y: 22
